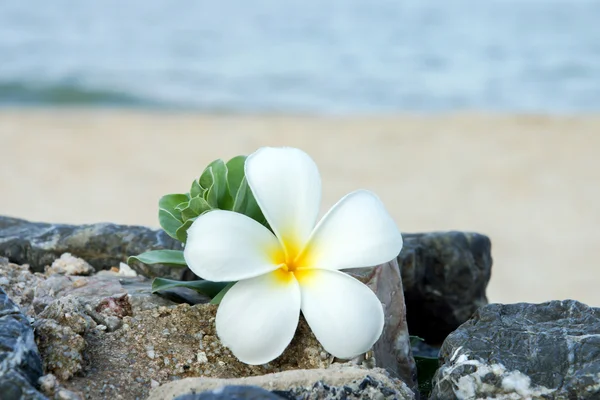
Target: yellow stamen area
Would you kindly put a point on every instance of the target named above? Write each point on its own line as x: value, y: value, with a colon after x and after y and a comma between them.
x: 291, y: 264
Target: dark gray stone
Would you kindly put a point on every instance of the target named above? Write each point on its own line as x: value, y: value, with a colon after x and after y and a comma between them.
x: 541, y: 351
x: 20, y: 363
x: 233, y: 393
x: 445, y: 275
x: 102, y: 245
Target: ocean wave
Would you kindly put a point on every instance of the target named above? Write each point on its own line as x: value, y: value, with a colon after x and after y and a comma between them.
x: 30, y: 94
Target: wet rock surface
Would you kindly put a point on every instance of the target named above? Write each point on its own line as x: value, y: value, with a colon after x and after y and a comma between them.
x: 20, y: 363
x: 542, y: 351
x: 445, y: 275
x: 101, y: 245
x: 340, y: 381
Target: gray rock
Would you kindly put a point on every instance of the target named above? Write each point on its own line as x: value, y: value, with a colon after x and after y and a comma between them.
x: 233, y: 393
x: 61, y: 348
x: 541, y: 351
x: 102, y: 245
x: 20, y: 363
x: 392, y: 351
x: 445, y: 275
x: 340, y: 381
x: 67, y: 264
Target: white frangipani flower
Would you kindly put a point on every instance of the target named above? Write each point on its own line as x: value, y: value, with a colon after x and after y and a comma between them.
x: 296, y: 268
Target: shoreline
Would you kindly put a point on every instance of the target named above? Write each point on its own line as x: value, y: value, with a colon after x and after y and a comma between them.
x: 525, y: 180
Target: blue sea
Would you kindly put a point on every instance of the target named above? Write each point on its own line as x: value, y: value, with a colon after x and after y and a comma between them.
x: 303, y: 56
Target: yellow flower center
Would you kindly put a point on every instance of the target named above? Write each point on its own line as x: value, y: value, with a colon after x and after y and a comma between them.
x: 291, y: 263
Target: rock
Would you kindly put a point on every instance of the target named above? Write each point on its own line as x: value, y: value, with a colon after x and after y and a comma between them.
x: 233, y: 393
x: 68, y: 311
x: 393, y: 350
x: 445, y: 275
x: 19, y: 283
x: 69, y: 265
x: 422, y: 349
x: 102, y: 245
x: 20, y: 363
x: 340, y: 381
x: 50, y: 387
x: 171, y: 343
x: 48, y: 384
x: 61, y: 348
x: 549, y: 350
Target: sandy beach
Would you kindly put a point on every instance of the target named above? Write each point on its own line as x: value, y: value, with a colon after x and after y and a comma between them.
x: 532, y: 183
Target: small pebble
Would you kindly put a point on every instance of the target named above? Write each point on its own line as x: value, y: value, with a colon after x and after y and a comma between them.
x: 48, y: 384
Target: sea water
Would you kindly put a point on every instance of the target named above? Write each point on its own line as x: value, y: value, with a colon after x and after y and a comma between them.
x: 303, y: 56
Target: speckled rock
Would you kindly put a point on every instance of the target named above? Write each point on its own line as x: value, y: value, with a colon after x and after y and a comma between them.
x: 20, y: 363
x: 68, y: 311
x: 102, y: 245
x: 67, y: 264
x: 19, y: 283
x: 339, y: 381
x: 519, y: 351
x: 50, y: 387
x: 60, y: 347
x: 445, y: 275
x: 393, y: 350
x: 33, y: 292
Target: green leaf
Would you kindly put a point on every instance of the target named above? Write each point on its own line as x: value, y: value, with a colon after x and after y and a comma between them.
x: 245, y: 203
x: 170, y: 202
x: 217, y: 194
x: 235, y: 174
x: 167, y: 257
x: 415, y: 340
x: 196, y: 206
x: 169, y: 223
x: 217, y: 298
x: 182, y: 206
x: 168, y: 216
x: 196, y: 190
x: 209, y: 288
x: 206, y: 179
x: 181, y: 233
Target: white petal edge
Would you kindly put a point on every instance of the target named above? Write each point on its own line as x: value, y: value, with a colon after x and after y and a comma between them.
x: 228, y: 246
x: 357, y: 232
x: 344, y: 314
x: 287, y: 186
x: 257, y: 318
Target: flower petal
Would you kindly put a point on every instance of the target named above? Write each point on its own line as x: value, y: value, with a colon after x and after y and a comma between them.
x: 356, y: 232
x: 227, y: 246
x: 345, y: 315
x: 287, y: 187
x: 258, y: 317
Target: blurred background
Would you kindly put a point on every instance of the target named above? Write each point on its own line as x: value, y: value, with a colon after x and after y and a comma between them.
x: 459, y: 114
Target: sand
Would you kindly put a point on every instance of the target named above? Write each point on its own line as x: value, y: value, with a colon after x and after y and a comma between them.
x: 532, y: 183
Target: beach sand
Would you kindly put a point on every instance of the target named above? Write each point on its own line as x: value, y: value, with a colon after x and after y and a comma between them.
x: 532, y: 183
